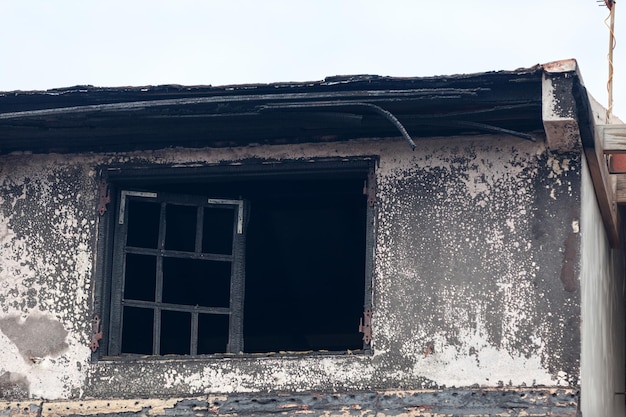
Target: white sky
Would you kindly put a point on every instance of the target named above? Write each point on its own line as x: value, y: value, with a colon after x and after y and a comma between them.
x: 47, y: 44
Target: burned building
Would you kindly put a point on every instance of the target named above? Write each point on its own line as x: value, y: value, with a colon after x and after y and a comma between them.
x: 360, y: 245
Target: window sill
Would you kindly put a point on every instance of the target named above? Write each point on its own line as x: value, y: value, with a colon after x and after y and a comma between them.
x: 164, y: 376
x: 243, y: 356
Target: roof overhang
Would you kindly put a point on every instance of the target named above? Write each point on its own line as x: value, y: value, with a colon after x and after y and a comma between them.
x: 86, y: 119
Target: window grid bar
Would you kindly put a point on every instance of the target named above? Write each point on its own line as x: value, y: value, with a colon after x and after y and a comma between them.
x: 158, y: 296
x: 176, y: 307
x: 156, y: 332
x: 117, y: 316
x: 179, y: 254
x: 235, y: 327
x: 193, y: 348
x: 199, y: 229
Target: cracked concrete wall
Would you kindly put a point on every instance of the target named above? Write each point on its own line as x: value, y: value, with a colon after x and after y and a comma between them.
x: 476, y: 254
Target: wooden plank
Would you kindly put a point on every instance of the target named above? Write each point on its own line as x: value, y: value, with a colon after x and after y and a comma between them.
x: 613, y: 138
x: 620, y: 188
x: 604, y: 185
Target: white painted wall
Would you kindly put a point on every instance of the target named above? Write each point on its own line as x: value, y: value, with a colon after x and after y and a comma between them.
x: 602, y: 304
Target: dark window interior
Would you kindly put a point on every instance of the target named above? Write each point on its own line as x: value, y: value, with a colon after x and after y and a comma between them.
x: 137, y: 330
x: 305, y: 243
x: 305, y: 267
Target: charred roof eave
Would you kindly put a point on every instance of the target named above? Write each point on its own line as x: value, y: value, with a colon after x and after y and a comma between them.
x: 94, y: 119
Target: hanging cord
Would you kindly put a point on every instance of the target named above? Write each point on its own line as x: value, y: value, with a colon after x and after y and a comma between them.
x: 610, y: 23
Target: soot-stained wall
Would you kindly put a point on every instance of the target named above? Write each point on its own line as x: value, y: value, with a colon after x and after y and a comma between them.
x: 475, y: 278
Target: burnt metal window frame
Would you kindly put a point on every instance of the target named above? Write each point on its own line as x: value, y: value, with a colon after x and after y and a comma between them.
x: 122, y: 250
x: 108, y: 290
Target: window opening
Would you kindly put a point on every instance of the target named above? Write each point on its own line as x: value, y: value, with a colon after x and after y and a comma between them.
x: 305, y: 267
x: 196, y: 271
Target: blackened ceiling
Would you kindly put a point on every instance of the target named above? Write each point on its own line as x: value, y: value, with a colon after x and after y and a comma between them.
x: 86, y: 118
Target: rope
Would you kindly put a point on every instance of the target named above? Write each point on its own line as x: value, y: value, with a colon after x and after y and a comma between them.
x: 610, y: 24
